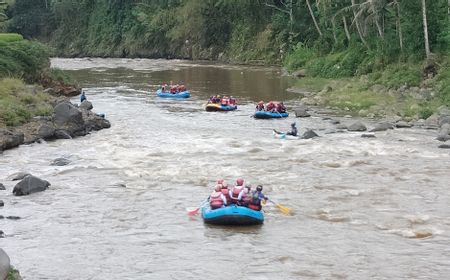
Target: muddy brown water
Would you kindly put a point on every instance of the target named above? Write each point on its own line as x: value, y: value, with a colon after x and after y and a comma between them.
x: 364, y: 208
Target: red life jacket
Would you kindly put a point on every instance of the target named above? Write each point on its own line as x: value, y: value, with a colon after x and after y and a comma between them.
x: 215, y: 200
x: 235, y: 193
x: 254, y: 207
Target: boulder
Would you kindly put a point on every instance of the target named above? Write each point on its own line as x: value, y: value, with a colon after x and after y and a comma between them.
x: 368, y: 135
x: 29, y: 185
x: 382, y: 127
x: 2, y: 187
x: 444, y: 133
x: 444, y: 146
x: 432, y: 121
x: 309, y: 134
x: 341, y: 126
x: 302, y: 112
x: 86, y: 105
x: 46, y: 131
x: 2, y: 203
x: 4, y: 264
x: 403, y: 124
x: 334, y: 121
x: 443, y: 120
x: 69, y: 118
x: 60, y: 162
x: 10, y: 139
x: 357, y: 126
x: 94, y: 121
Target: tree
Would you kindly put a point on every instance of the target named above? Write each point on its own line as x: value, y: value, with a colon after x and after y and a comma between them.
x: 425, y: 29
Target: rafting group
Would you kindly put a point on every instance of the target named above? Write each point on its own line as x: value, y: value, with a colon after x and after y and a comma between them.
x: 173, y: 91
x: 238, y: 194
x: 218, y: 103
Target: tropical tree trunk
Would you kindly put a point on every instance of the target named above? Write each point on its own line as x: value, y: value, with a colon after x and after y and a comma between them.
x: 399, y: 26
x: 425, y: 29
x: 313, y: 17
x: 358, y: 27
x: 346, y: 29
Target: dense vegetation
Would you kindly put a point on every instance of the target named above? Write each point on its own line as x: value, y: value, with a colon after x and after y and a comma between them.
x: 392, y: 42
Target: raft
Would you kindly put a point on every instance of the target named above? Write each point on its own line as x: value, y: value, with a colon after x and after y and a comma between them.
x: 270, y: 115
x: 214, y: 107
x: 167, y: 94
x: 282, y: 135
x: 232, y: 215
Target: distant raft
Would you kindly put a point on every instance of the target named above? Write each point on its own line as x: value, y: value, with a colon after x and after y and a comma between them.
x: 232, y: 215
x: 168, y: 94
x: 270, y: 115
x: 214, y: 107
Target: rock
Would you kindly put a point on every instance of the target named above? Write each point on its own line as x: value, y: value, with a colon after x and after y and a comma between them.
x: 357, y: 126
x: 299, y: 73
x: 2, y: 203
x: 341, y: 126
x: 2, y: 234
x: 432, y: 121
x: 444, y: 146
x: 4, y: 264
x: 18, y: 176
x: 403, y: 124
x: 62, y: 134
x: 309, y: 134
x: 60, y: 162
x: 301, y: 112
x: 443, y: 138
x: 10, y: 139
x: 444, y: 133
x: 382, y: 127
x: 443, y: 111
x: 29, y: 185
x: 443, y: 120
x: 86, y: 105
x: 69, y: 118
x: 335, y: 122
x: 94, y: 121
x: 46, y: 131
x: 2, y: 187
x: 13, y: 217
x: 367, y: 135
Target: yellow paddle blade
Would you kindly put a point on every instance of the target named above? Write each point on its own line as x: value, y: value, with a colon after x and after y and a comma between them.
x: 284, y: 209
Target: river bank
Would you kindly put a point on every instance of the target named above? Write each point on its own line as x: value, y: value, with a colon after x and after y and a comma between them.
x: 30, y: 114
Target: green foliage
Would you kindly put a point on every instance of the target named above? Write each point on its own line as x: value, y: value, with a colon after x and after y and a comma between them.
x: 397, y: 75
x: 59, y: 75
x: 10, y: 37
x: 23, y: 59
x: 18, y: 103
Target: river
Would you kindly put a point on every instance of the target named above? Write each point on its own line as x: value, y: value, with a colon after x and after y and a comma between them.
x: 364, y: 208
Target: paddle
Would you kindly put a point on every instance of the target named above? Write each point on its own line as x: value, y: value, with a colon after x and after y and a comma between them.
x: 285, y: 210
x: 193, y: 212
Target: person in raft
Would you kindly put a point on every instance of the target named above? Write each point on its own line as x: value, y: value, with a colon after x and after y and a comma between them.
x: 224, y: 189
x: 293, y: 131
x: 257, y: 197
x: 217, y: 199
x: 270, y: 107
x: 237, y: 191
x: 247, y: 196
x: 281, y: 108
x: 83, y: 96
x: 260, y: 106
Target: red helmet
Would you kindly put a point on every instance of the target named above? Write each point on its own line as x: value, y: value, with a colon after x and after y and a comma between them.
x: 240, y: 182
x: 217, y: 188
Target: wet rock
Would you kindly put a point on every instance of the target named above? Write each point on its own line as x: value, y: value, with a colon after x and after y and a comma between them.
x: 2, y: 203
x: 444, y: 146
x: 444, y: 133
x: 443, y: 120
x: 382, y: 127
x: 341, y: 126
x: 10, y: 139
x: 18, y: 176
x: 60, y: 162
x: 2, y: 234
x: 432, y: 121
x: 367, y: 135
x: 1, y: 217
x: 302, y: 112
x: 13, y: 217
x: 62, y: 134
x: 309, y: 134
x: 403, y: 124
x: 357, y: 126
x: 94, y: 121
x: 29, y: 185
x: 4, y: 264
x: 334, y: 121
x: 46, y: 131
x: 2, y: 187
x: 86, y: 105
x: 69, y: 118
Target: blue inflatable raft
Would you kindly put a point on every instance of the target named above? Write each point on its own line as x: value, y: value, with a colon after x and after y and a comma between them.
x: 167, y: 94
x: 214, y: 107
x: 270, y: 115
x: 232, y: 215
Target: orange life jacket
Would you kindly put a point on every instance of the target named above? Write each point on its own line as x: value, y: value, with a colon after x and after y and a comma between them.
x: 215, y: 200
x: 235, y: 193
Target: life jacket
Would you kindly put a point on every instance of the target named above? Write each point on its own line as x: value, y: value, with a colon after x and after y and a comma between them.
x: 255, y: 201
x: 225, y: 101
x: 226, y: 193
x: 215, y: 200
x: 235, y: 193
x: 260, y: 107
x: 270, y: 106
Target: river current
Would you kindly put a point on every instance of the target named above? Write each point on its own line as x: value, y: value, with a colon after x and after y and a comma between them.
x: 363, y: 208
